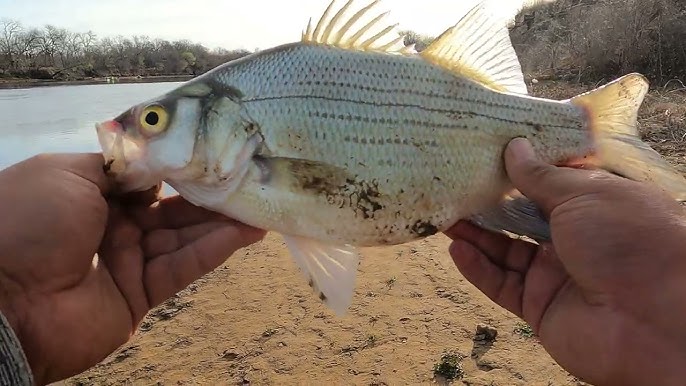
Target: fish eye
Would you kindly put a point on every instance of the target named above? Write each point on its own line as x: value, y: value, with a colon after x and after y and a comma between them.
x: 154, y: 119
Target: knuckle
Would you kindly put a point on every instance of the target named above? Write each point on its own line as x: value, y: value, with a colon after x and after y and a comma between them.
x: 43, y: 159
x: 541, y: 170
x: 538, y: 171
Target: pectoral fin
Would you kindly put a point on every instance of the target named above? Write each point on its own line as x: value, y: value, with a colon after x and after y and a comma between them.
x: 517, y: 215
x: 305, y: 174
x: 330, y: 270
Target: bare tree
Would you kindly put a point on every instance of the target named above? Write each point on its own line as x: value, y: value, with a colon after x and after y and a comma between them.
x: 599, y: 39
x: 55, y: 52
x: 10, y: 31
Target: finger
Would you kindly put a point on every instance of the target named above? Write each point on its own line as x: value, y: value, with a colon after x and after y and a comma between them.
x: 171, y: 213
x: 549, y: 276
x: 502, y: 286
x: 120, y: 232
x: 122, y: 255
x: 547, y: 185
x: 88, y: 166
x: 507, y: 253
x: 144, y: 198
x: 490, y: 243
x: 170, y: 273
x: 163, y: 241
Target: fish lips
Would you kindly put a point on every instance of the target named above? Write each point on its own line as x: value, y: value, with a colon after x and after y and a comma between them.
x: 124, y: 157
x: 111, y: 139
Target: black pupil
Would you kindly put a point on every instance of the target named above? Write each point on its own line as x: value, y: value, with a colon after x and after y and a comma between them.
x: 152, y: 118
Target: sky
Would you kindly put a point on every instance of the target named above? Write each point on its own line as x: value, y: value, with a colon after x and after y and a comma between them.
x: 231, y: 24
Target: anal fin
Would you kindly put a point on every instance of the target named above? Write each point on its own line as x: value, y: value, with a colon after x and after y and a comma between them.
x: 331, y: 270
x: 517, y: 215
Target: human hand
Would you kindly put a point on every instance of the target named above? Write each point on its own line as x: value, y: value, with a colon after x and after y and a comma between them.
x: 606, y: 298
x: 68, y: 309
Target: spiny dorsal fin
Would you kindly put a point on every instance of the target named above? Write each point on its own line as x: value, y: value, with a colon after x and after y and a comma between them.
x: 479, y: 47
x: 356, y: 30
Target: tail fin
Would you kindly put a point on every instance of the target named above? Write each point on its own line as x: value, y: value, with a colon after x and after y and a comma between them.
x: 613, y: 112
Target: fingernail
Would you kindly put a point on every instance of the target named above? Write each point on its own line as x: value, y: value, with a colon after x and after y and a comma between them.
x: 521, y: 149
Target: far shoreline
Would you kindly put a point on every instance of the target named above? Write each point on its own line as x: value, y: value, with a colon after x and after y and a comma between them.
x: 11, y: 84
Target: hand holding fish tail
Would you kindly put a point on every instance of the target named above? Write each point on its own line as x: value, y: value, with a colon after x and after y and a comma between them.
x: 606, y: 295
x: 68, y: 309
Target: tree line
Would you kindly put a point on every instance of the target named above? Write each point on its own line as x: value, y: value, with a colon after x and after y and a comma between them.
x: 579, y: 40
x: 595, y: 40
x: 51, y: 52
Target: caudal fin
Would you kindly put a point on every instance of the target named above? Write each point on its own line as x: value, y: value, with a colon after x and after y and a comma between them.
x: 613, y: 113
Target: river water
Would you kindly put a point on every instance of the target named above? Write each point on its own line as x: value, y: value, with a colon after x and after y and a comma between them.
x: 62, y: 119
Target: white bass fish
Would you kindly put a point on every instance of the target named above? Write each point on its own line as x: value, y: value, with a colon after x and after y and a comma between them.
x: 349, y: 138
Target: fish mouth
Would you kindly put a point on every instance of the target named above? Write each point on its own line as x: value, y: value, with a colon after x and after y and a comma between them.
x: 116, y: 150
x: 121, y: 154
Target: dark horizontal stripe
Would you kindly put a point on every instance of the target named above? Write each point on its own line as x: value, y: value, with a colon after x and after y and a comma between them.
x: 433, y: 110
x: 446, y: 97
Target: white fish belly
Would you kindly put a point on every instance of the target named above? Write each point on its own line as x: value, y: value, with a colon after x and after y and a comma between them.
x: 382, y: 204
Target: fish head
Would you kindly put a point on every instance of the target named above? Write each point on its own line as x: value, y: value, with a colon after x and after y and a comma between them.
x: 151, y: 141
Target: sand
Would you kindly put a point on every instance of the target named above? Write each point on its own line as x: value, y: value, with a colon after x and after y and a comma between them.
x: 254, y: 320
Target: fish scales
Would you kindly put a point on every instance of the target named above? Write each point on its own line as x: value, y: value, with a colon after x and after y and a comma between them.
x: 349, y: 138
x: 302, y: 71
x: 418, y: 134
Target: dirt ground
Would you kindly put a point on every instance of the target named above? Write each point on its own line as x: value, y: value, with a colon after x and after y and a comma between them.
x: 255, y: 321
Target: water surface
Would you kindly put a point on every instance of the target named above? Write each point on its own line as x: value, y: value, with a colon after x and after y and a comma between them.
x: 62, y: 119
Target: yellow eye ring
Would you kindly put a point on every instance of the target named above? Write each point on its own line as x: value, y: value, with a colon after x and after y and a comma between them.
x: 154, y: 119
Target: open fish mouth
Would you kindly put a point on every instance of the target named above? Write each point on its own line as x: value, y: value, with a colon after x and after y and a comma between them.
x: 119, y: 151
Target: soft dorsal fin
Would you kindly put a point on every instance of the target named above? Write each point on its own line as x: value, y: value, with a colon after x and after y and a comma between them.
x: 356, y: 30
x: 479, y: 47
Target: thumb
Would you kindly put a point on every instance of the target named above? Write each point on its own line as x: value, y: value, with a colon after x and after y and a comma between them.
x: 547, y: 185
x: 88, y: 166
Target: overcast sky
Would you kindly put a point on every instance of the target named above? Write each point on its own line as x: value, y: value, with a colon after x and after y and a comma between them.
x: 231, y: 24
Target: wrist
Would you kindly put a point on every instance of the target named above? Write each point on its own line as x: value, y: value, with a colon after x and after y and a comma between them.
x: 12, y: 329
x: 14, y: 366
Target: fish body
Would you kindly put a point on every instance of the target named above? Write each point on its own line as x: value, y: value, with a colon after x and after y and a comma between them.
x: 377, y: 149
x: 345, y: 139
